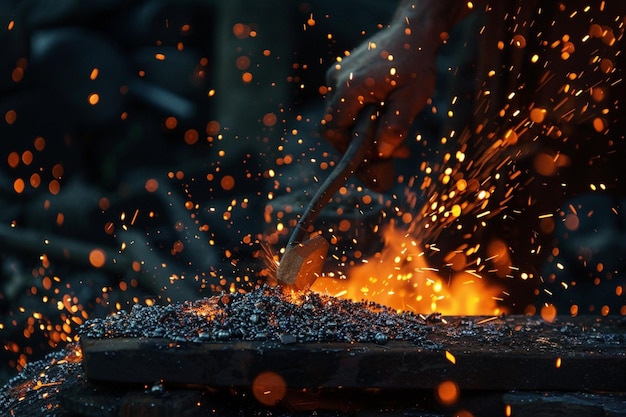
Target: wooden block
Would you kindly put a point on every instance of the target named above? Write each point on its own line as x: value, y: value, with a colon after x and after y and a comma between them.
x: 515, y: 353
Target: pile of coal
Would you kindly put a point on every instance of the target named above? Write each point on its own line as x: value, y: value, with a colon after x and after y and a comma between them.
x: 264, y: 314
x: 34, y: 391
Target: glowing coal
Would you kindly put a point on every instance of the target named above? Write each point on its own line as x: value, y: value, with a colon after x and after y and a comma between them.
x: 263, y: 314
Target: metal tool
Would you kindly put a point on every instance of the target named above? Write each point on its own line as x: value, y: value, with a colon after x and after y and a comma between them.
x: 303, y: 260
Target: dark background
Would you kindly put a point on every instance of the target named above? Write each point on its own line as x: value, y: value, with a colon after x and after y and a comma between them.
x: 173, y: 110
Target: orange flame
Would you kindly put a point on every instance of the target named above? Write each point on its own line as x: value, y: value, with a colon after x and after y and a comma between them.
x: 400, y: 277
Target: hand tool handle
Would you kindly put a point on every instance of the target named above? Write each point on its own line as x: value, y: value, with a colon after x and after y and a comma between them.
x: 363, y: 138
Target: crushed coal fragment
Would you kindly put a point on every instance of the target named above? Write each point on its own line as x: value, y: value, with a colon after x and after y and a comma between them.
x: 263, y: 314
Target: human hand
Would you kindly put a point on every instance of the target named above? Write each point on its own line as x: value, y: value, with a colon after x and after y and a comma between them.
x: 394, y: 69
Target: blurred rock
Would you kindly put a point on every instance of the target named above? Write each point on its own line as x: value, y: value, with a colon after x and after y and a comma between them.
x: 167, y: 23
x: 178, y: 71
x: 44, y: 13
x: 15, y: 48
x: 38, y: 146
x: 82, y: 68
x: 587, y: 270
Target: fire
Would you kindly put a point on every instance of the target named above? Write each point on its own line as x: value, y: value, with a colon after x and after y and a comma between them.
x: 400, y: 277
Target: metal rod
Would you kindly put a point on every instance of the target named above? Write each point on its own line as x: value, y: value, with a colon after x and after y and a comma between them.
x: 362, y: 141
